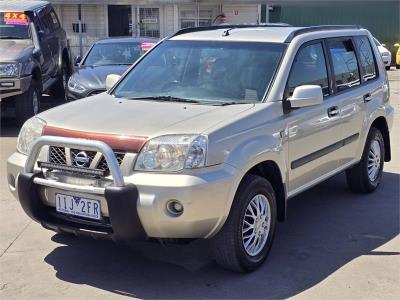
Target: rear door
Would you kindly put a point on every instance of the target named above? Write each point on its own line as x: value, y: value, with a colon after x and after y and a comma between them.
x: 314, y: 132
x: 350, y: 91
x: 46, y: 60
x: 51, y: 28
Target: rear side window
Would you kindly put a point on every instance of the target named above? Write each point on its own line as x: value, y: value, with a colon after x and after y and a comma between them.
x: 344, y: 62
x: 309, y: 67
x: 367, y: 59
x: 49, y: 20
x: 54, y: 20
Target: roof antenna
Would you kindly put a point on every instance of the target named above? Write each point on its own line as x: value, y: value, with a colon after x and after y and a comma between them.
x: 226, y: 32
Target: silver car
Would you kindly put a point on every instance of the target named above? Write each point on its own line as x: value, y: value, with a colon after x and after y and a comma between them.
x: 208, y: 136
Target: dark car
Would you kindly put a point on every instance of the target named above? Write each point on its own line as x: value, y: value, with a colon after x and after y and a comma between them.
x: 34, y: 55
x: 108, y: 56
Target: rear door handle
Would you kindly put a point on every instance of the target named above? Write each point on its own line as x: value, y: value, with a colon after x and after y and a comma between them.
x: 367, y: 97
x: 333, y: 111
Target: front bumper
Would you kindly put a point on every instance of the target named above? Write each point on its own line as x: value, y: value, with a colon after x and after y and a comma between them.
x: 134, y: 208
x: 10, y: 86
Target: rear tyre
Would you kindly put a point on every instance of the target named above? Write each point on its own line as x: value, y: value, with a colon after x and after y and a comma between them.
x: 60, y: 87
x: 366, y: 176
x: 28, y: 104
x: 246, y: 238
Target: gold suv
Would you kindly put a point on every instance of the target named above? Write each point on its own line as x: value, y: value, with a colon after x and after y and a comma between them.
x: 208, y: 135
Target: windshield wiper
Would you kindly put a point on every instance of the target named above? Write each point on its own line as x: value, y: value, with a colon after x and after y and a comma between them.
x: 233, y: 103
x: 164, y: 98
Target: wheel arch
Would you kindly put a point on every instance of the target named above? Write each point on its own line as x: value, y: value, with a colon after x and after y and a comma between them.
x: 269, y: 170
x: 66, y: 58
x: 37, y: 75
x: 381, y: 124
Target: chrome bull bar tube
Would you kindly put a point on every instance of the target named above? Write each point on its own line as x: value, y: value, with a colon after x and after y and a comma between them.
x: 84, y: 144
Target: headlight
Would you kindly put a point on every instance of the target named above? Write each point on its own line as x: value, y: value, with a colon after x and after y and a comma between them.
x: 173, y: 153
x: 385, y: 53
x: 31, y: 130
x: 74, y: 86
x: 11, y: 69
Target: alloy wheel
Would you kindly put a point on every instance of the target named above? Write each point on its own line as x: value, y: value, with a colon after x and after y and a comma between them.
x: 374, y: 160
x: 256, y: 225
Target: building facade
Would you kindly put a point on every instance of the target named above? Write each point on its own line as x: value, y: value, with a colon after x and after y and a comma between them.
x: 159, y: 18
x: 150, y: 18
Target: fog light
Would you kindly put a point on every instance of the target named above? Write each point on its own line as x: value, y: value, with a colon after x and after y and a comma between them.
x: 175, y: 208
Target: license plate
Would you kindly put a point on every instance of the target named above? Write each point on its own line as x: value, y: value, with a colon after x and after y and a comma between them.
x: 78, y: 206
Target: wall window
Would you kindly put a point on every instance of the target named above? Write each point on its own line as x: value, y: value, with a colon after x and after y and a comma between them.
x: 149, y: 18
x: 188, y: 18
x: 345, y: 65
x: 309, y: 67
x: 191, y: 16
x: 367, y: 59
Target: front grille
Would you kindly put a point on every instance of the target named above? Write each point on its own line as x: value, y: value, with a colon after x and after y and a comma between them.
x: 57, y: 155
x: 103, y: 163
x: 89, y: 159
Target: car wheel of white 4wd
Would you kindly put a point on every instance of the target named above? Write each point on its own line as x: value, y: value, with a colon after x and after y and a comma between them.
x: 246, y: 237
x: 366, y: 176
x: 256, y: 225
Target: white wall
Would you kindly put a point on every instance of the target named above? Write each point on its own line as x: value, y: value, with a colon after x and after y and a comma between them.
x: 95, y: 18
x: 238, y: 14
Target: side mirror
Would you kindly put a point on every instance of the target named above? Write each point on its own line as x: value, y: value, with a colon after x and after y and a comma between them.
x: 37, y: 53
x: 306, y: 95
x: 397, y: 45
x: 111, y: 80
x: 77, y: 60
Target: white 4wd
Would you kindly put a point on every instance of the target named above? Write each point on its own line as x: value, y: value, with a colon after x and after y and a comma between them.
x: 208, y: 135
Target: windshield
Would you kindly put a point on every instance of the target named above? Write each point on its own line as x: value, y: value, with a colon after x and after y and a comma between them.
x: 14, y: 25
x: 113, y: 54
x: 226, y: 72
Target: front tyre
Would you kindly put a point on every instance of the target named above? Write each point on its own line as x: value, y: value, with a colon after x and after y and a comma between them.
x: 244, y: 242
x: 28, y: 104
x: 366, y: 176
x: 59, y: 89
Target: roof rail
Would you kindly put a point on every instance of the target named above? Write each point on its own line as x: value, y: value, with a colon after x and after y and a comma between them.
x: 319, y: 28
x: 227, y: 26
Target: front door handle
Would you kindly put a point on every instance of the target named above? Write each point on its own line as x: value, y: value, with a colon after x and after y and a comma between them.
x: 367, y: 97
x: 333, y: 111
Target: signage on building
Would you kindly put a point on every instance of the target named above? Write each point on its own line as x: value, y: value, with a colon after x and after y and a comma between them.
x: 150, y: 21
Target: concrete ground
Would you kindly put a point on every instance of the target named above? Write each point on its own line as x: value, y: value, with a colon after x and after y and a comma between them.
x: 334, y: 245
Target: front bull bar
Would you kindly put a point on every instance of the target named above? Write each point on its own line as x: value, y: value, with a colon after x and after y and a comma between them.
x: 121, y: 198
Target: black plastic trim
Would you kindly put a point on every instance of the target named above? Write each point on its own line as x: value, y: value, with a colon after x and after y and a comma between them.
x: 322, y: 152
x: 123, y: 224
x: 320, y: 28
x: 227, y: 26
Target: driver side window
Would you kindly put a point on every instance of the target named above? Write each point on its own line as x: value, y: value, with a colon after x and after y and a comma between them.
x: 309, y: 67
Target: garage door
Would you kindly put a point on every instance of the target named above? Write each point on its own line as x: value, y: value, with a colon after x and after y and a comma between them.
x: 239, y: 14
